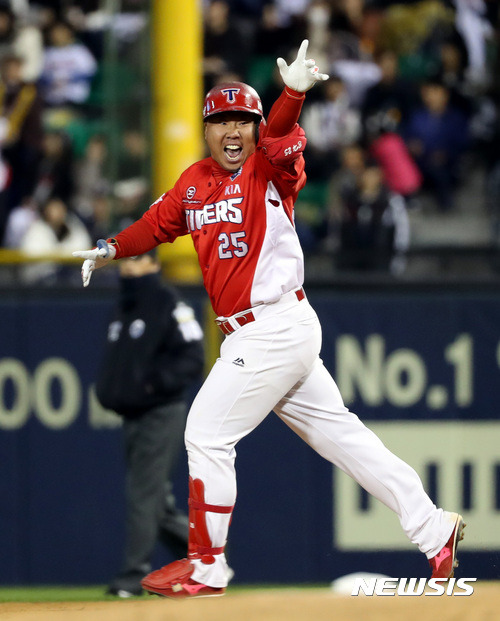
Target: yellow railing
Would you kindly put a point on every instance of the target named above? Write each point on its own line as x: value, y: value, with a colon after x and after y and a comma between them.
x: 16, y: 257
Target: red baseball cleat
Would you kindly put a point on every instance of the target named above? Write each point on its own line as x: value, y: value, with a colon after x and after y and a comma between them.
x: 174, y: 581
x: 444, y: 563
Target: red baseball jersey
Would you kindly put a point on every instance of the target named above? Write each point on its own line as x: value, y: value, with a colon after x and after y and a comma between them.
x: 241, y: 223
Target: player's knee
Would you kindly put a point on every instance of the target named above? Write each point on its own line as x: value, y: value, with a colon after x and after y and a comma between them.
x: 198, y: 445
x: 196, y: 441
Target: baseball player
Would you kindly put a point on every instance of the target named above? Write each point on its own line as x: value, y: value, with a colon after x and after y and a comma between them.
x: 237, y: 205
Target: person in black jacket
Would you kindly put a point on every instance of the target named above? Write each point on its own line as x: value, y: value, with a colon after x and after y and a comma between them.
x: 153, y: 353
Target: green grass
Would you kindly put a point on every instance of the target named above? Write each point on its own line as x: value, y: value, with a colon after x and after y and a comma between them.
x: 33, y: 594
x: 54, y: 594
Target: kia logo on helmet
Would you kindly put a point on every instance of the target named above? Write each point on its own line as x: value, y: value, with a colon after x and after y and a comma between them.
x: 230, y: 94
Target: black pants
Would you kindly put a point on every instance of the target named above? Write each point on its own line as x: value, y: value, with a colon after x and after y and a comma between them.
x: 153, y: 443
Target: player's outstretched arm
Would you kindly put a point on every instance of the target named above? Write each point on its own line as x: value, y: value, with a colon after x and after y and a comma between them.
x: 302, y: 74
x: 95, y: 258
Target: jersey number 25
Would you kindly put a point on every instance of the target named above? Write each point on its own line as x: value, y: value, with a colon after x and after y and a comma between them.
x: 232, y: 245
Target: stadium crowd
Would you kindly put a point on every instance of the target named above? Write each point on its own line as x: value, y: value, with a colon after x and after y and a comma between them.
x: 411, y: 107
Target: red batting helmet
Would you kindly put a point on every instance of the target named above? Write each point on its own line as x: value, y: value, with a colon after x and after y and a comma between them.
x: 232, y: 97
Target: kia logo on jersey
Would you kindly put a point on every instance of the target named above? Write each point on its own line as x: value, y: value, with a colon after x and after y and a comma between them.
x: 190, y: 192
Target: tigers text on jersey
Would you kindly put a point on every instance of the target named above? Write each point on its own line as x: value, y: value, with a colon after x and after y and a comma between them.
x: 241, y: 223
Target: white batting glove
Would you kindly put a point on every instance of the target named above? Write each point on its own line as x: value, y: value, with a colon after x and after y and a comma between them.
x: 302, y: 74
x: 95, y: 258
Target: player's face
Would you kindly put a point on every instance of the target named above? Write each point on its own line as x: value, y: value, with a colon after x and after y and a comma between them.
x: 230, y: 138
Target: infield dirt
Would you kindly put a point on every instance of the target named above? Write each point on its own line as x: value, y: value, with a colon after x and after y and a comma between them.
x: 270, y: 605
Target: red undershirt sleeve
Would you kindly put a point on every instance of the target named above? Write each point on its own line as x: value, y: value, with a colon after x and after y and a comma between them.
x: 136, y: 239
x: 284, y: 113
x: 163, y: 222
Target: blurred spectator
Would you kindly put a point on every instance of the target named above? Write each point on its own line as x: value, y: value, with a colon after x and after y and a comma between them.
x: 437, y: 137
x: 330, y: 124
x: 45, y: 17
x: 346, y: 178
x: 350, y: 51
x: 99, y: 222
x: 485, y: 132
x: 318, y: 19
x: 89, y: 20
x: 352, y: 165
x: 374, y: 228
x: 355, y: 29
x: 292, y: 12
x: 358, y: 76
x: 472, y: 23
x: 129, y: 200
x: 370, y: 28
x: 55, y: 169
x: 57, y: 232
x: 22, y: 40
x: 451, y: 70
x: 133, y: 156
x: 391, y: 97
x: 19, y: 221
x: 386, y: 147
x: 223, y: 44
x: 452, y: 63
x: 272, y: 38
x: 132, y: 186
x: 246, y: 15
x: 414, y: 31
x: 68, y: 68
x: 90, y: 176
x: 20, y: 109
x: 348, y: 15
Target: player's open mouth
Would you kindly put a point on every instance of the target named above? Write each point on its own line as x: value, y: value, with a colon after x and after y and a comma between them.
x: 232, y: 152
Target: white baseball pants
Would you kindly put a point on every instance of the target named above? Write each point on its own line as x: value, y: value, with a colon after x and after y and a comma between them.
x: 273, y: 364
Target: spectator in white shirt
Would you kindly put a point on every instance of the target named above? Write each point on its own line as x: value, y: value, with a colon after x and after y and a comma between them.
x: 68, y: 68
x: 23, y: 40
x: 57, y: 232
